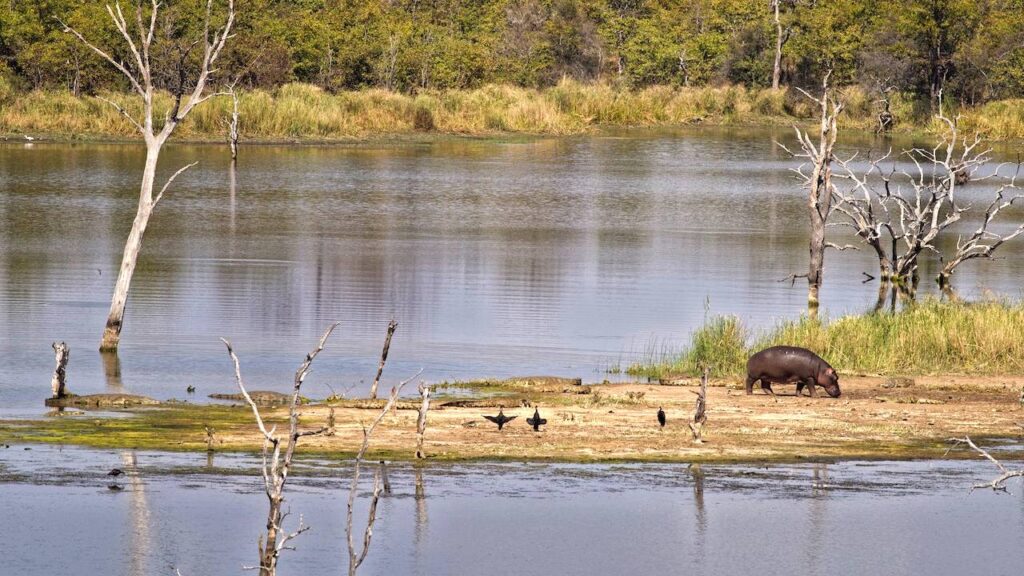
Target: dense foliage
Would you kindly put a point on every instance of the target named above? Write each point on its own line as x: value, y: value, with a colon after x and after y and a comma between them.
x: 971, y: 49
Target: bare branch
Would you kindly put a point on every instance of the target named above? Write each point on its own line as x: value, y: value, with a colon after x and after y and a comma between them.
x: 998, y: 484
x: 136, y: 84
x: 274, y: 469
x: 124, y: 113
x: 171, y: 179
x: 356, y: 558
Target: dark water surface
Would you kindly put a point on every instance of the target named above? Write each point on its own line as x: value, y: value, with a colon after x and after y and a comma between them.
x: 563, y: 256
x: 203, y: 517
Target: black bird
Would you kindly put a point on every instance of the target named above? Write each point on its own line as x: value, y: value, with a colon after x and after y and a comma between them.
x: 661, y: 417
x: 536, y: 421
x: 115, y: 488
x: 500, y: 419
x: 115, y: 472
x: 191, y: 389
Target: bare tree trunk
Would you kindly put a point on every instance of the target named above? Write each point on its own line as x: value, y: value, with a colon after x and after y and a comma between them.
x: 59, y: 381
x: 112, y: 332
x: 233, y: 126
x: 781, y: 37
x: 820, y: 188
x: 383, y: 357
x: 421, y: 421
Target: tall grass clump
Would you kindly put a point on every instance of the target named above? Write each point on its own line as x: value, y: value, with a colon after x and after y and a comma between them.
x: 930, y: 337
x: 720, y: 344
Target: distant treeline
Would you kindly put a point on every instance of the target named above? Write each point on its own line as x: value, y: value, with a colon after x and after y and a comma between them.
x: 971, y: 50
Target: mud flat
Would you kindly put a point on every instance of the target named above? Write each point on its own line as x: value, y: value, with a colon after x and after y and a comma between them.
x: 875, y: 418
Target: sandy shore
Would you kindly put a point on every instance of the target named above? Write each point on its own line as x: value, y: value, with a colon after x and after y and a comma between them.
x: 872, y: 419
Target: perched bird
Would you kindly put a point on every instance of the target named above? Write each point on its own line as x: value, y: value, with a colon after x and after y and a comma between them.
x: 27, y: 137
x: 536, y: 421
x: 661, y: 417
x: 115, y: 472
x: 500, y: 419
x: 191, y: 389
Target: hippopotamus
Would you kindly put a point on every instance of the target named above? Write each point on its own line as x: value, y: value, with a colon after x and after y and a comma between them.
x: 785, y: 364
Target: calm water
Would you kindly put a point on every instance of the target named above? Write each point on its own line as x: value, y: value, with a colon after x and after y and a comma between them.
x: 508, y: 519
x: 563, y: 256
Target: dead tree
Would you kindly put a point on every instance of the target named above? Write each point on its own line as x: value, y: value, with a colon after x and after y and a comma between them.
x: 421, y: 420
x: 60, y: 374
x: 188, y: 93
x: 232, y: 124
x: 276, y: 466
x: 699, y: 417
x: 355, y: 559
x: 383, y: 357
x: 901, y: 215
x: 982, y: 243
x: 819, y: 185
x: 782, y: 35
x: 998, y: 483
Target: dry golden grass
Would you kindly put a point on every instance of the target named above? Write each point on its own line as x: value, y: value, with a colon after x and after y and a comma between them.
x: 305, y: 112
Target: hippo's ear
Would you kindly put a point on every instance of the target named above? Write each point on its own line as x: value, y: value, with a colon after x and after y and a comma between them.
x: 830, y: 371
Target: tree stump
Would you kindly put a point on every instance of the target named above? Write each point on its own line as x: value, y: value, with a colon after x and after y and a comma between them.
x: 59, y: 381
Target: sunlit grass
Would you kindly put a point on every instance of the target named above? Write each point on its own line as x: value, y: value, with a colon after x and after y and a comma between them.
x: 306, y: 112
x: 931, y: 337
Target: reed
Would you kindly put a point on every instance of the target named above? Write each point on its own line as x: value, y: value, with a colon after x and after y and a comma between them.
x: 930, y: 337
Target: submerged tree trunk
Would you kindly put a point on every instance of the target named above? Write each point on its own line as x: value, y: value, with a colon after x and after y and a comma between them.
x: 819, y: 201
x: 112, y: 332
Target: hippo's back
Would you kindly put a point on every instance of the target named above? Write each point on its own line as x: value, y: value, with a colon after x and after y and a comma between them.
x: 784, y: 359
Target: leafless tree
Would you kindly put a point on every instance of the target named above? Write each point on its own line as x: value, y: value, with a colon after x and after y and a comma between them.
x: 816, y: 172
x: 276, y: 466
x: 392, y: 325
x: 187, y: 95
x: 900, y: 215
x: 998, y: 483
x: 355, y: 558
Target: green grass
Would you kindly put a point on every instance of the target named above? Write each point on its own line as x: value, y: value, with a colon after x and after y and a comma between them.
x: 305, y: 112
x: 930, y: 337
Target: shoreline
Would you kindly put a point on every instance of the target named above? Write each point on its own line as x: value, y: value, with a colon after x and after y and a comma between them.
x: 600, y: 423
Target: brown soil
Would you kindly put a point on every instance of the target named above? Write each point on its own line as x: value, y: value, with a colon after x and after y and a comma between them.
x: 874, y: 418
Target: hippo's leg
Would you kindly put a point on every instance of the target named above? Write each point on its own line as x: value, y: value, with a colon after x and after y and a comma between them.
x: 811, y: 387
x: 750, y: 384
x: 766, y: 385
x: 800, y: 387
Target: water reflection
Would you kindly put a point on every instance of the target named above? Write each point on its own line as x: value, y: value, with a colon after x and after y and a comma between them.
x: 497, y: 258
x: 112, y: 371
x: 566, y: 519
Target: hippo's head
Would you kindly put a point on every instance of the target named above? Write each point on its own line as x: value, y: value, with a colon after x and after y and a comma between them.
x: 829, y: 380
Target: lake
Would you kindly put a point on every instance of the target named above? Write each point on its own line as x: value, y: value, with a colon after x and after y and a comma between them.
x: 571, y: 256
x: 202, y: 515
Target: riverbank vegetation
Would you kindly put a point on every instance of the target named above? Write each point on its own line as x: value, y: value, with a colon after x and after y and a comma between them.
x: 928, y: 337
x: 356, y: 68
x: 306, y: 112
